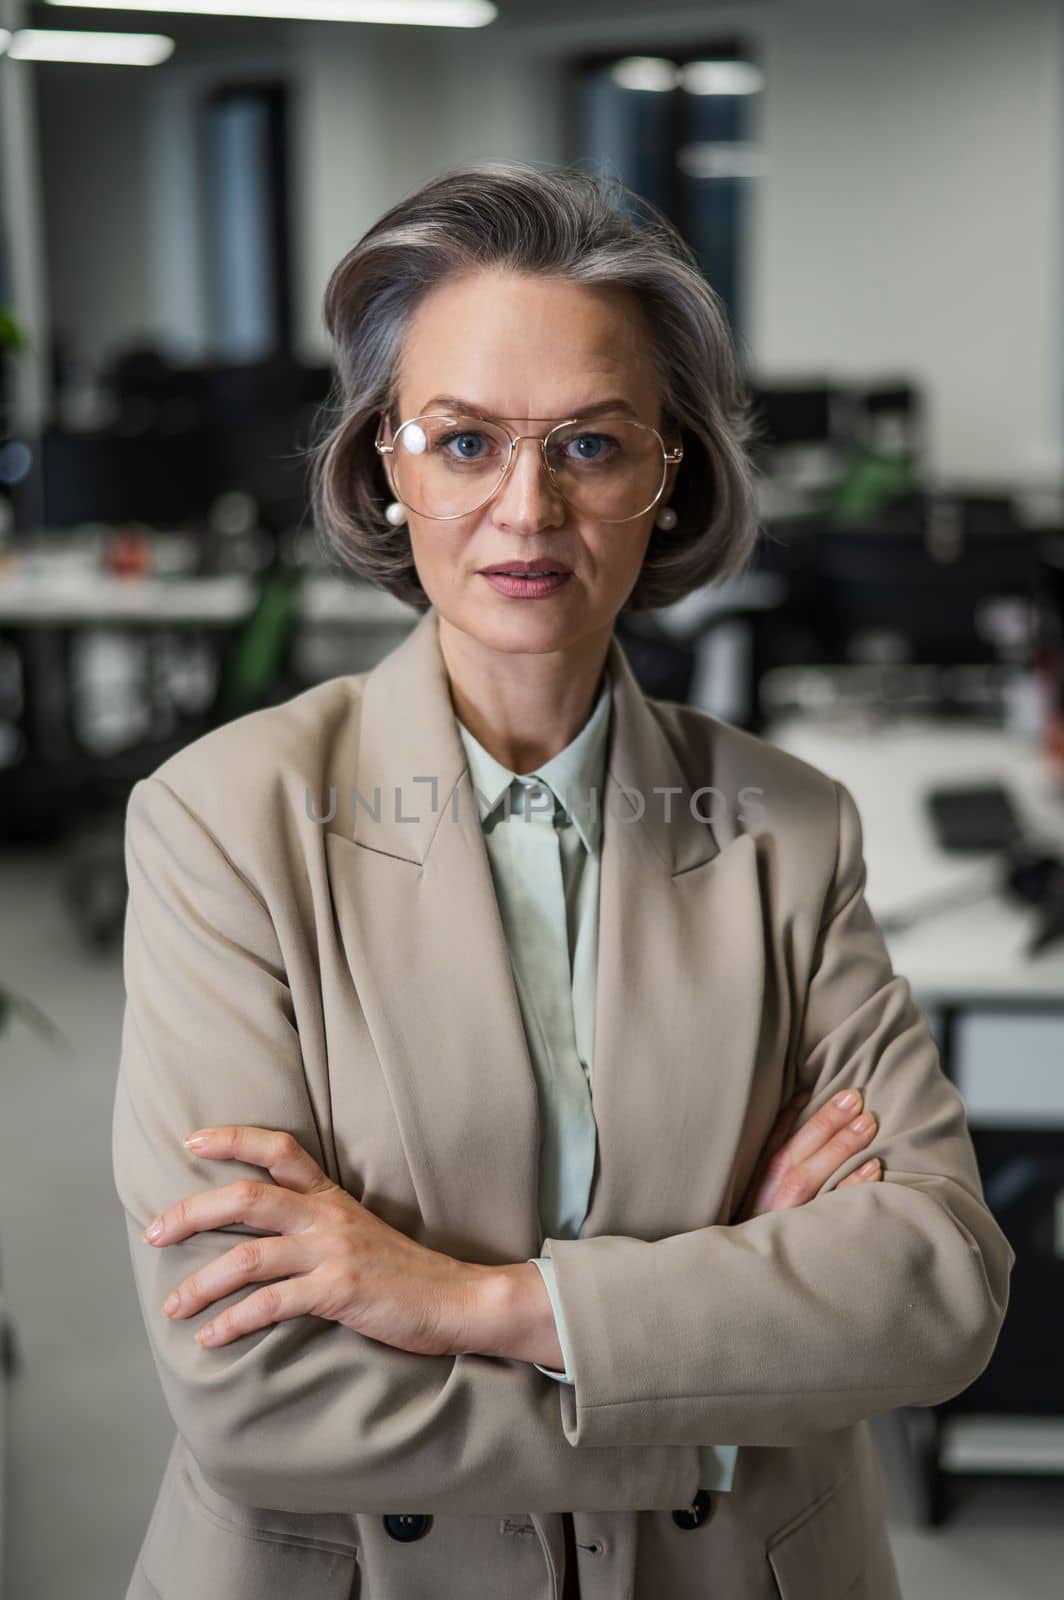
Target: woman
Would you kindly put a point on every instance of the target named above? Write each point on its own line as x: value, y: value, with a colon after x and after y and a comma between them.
x: 557, y: 1266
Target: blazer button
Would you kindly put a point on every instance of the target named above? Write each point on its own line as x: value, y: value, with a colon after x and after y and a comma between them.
x: 697, y: 1512
x: 407, y: 1527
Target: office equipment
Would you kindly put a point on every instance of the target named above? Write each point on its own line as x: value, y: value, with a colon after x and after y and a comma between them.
x: 935, y: 606
x: 997, y: 1010
x: 154, y: 476
x: 789, y: 414
x: 973, y: 816
x: 915, y: 588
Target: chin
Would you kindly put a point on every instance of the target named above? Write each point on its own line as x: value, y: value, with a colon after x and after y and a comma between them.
x: 521, y: 627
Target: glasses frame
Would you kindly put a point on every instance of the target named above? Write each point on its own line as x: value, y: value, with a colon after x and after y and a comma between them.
x: 669, y: 458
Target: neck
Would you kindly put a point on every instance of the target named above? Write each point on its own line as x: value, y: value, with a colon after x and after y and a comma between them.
x: 523, y: 707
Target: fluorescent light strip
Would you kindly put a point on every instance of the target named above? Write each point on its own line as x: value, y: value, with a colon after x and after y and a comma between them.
x: 651, y: 73
x: 722, y: 77
x: 423, y: 13
x: 726, y: 159
x: 104, y: 49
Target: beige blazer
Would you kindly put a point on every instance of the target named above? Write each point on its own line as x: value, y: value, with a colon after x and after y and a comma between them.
x: 347, y: 979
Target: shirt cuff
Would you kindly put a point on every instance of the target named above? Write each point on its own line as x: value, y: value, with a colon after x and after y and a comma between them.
x: 546, y: 1267
x: 718, y: 1465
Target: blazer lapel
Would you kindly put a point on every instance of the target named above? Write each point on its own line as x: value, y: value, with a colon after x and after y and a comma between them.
x: 422, y: 934
x: 680, y: 984
x: 680, y: 971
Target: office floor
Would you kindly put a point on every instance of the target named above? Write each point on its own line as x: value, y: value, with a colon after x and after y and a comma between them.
x: 89, y: 1431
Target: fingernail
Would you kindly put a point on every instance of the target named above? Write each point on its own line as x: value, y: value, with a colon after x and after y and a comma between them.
x: 154, y: 1229
x: 861, y: 1124
x: 868, y: 1168
x: 194, y: 1141
x: 170, y: 1303
x: 850, y: 1098
x: 206, y: 1333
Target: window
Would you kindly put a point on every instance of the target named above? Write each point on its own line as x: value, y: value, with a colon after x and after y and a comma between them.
x: 247, y: 223
x: 682, y: 131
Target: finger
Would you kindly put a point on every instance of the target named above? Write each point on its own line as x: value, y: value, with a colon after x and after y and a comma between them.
x: 783, y: 1124
x: 293, y: 1297
x: 821, y: 1127
x: 275, y: 1149
x: 251, y: 1261
x: 803, y: 1179
x: 778, y: 1133
x: 261, y: 1205
x: 871, y: 1172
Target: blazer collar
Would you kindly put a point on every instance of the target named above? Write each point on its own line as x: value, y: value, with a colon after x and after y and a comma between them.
x: 413, y: 770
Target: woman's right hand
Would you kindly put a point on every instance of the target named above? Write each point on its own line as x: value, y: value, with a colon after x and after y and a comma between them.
x: 792, y: 1167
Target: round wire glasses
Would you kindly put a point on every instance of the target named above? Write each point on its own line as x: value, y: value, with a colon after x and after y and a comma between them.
x: 609, y: 468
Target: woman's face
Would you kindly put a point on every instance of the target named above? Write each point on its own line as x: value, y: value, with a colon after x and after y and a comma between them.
x: 529, y: 351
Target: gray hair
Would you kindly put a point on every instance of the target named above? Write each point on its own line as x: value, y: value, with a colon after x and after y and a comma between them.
x: 558, y: 222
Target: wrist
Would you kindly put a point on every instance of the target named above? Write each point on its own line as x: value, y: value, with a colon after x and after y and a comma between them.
x: 512, y: 1316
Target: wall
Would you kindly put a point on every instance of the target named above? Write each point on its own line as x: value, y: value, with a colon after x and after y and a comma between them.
x: 908, y: 221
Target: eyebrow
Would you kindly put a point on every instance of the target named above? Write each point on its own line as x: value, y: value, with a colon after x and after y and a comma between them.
x: 467, y: 407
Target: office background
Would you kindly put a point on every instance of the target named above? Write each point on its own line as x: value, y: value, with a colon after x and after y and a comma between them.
x: 876, y: 188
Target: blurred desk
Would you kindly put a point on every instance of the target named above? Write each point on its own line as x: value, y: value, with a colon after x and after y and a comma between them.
x: 998, y: 1017
x: 973, y: 952
x: 100, y: 599
x: 43, y: 610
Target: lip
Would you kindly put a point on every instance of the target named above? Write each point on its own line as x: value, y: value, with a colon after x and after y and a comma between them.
x: 527, y: 585
x: 523, y: 569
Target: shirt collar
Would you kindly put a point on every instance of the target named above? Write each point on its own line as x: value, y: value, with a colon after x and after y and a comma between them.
x: 572, y: 774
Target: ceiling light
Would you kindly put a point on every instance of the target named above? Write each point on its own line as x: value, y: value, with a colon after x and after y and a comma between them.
x: 722, y: 77
x: 426, y: 13
x: 107, y: 49
x: 645, y: 72
x: 721, y: 159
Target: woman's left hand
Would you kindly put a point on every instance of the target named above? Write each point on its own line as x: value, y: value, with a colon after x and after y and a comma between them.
x: 332, y: 1257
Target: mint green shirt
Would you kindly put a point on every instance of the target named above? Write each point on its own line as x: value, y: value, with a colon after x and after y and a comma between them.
x: 543, y: 834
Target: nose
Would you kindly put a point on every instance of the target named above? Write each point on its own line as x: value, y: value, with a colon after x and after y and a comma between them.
x: 528, y: 499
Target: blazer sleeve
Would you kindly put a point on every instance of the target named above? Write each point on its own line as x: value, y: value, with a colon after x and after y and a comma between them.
x: 305, y: 1415
x: 805, y: 1320
x: 716, y: 1462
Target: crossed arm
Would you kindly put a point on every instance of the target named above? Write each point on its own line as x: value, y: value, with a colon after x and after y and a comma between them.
x: 359, y: 1403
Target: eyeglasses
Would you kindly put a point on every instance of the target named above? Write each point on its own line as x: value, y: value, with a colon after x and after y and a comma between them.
x: 443, y: 467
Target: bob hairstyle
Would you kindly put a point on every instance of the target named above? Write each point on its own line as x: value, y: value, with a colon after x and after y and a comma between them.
x: 557, y: 222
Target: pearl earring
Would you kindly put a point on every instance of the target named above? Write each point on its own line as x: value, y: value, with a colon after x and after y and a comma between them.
x: 666, y: 519
x: 396, y: 513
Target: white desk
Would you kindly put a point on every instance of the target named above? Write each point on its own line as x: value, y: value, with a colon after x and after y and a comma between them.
x: 66, y: 598
x: 974, y: 952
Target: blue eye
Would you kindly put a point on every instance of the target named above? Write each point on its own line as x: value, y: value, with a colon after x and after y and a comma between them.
x: 467, y: 442
x: 591, y: 447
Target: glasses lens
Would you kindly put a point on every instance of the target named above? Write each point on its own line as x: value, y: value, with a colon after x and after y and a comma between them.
x: 448, y: 466
x: 611, y: 469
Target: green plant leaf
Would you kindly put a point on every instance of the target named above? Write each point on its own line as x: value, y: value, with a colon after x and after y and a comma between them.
x: 12, y: 335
